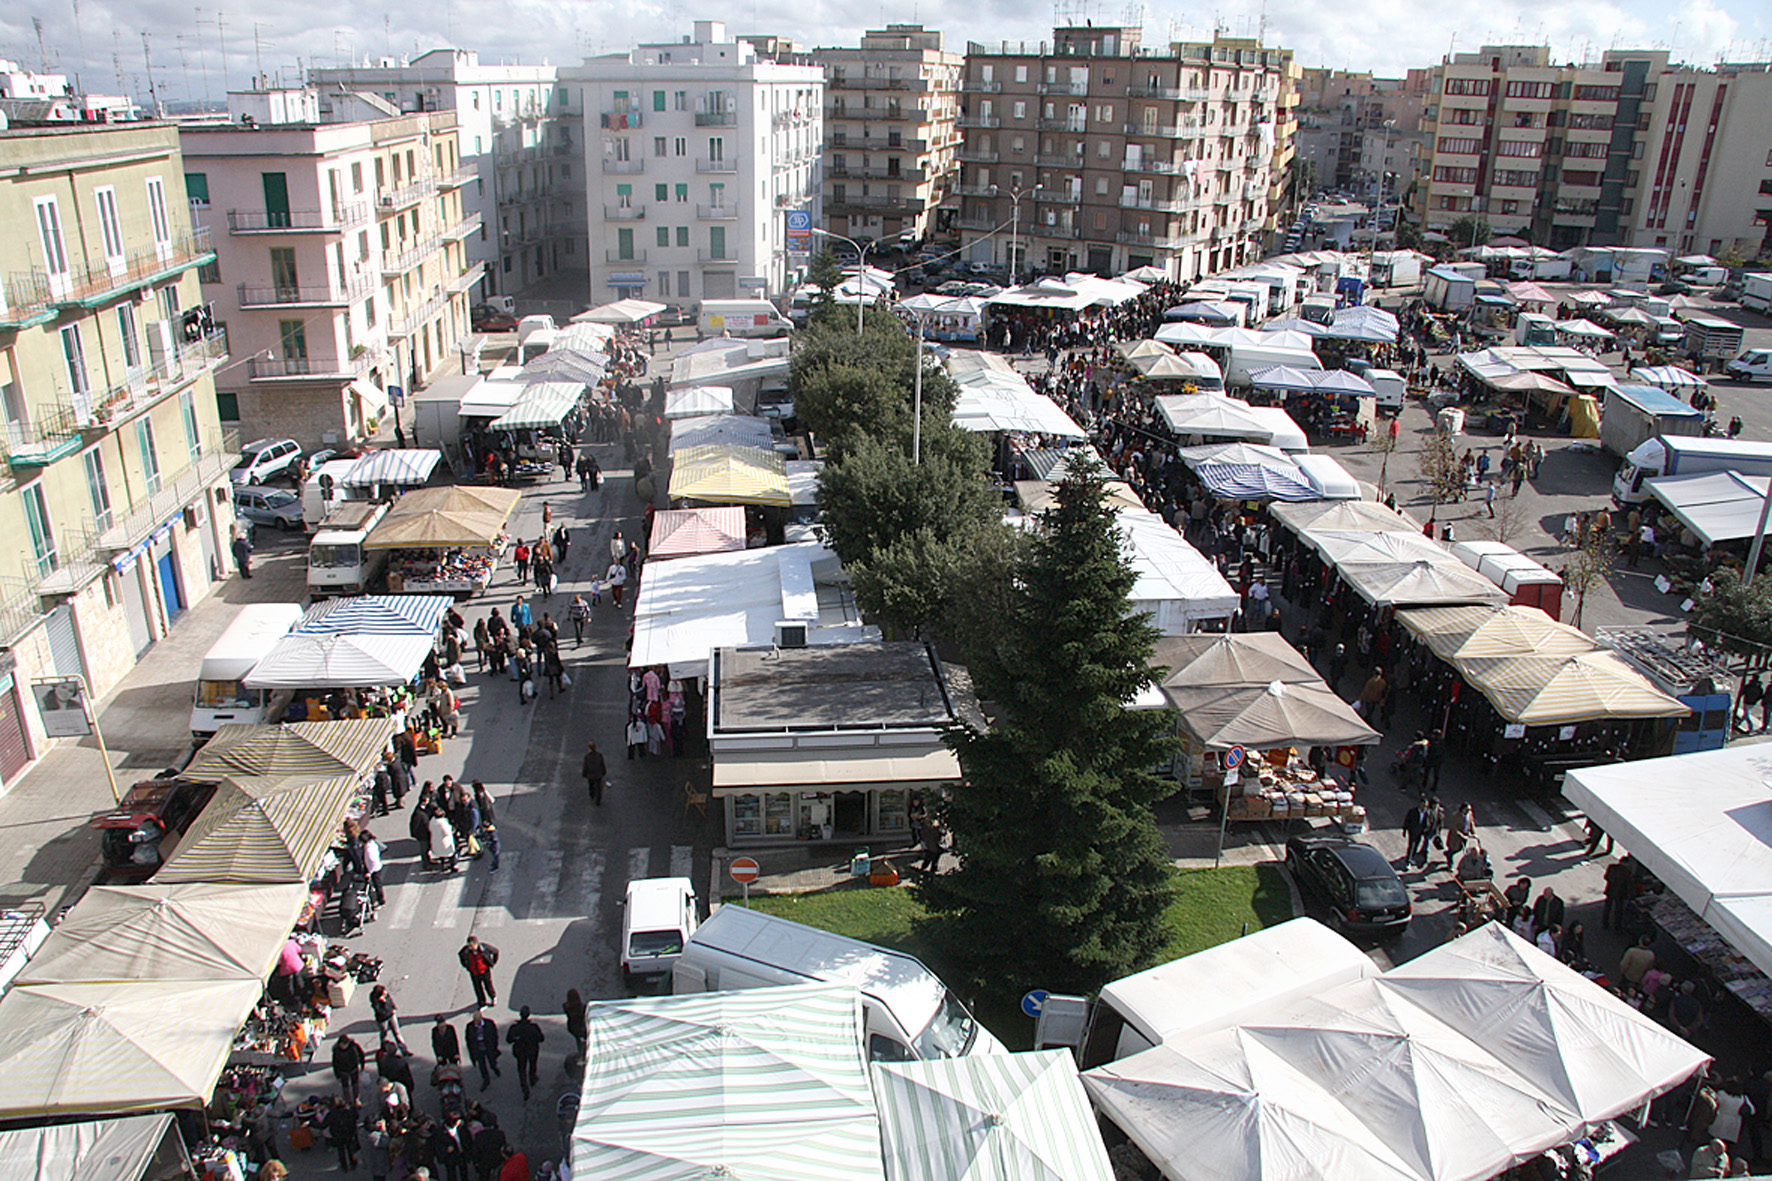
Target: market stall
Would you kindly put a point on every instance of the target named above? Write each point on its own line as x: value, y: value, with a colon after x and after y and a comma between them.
x: 279, y: 832
x: 319, y: 661
x: 395, y: 468
x: 1203, y: 418
x: 1713, y: 507
x: 393, y: 615
x: 994, y: 399
x: 945, y: 318
x: 129, y: 1148
x: 1175, y: 584
x: 732, y: 430
x: 622, y: 311
x: 681, y: 533
x: 316, y: 750
x: 726, y: 474
x: 444, y: 540
x: 697, y: 400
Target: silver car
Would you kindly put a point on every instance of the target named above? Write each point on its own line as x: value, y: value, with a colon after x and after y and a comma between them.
x: 269, y: 506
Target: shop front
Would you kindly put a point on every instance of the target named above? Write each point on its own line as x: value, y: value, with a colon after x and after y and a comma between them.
x: 790, y: 812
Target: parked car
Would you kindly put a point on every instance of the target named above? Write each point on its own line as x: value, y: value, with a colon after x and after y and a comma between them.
x: 262, y: 459
x: 675, y: 315
x: 141, y: 832
x: 486, y: 318
x: 1354, y: 880
x: 777, y: 404
x: 269, y: 506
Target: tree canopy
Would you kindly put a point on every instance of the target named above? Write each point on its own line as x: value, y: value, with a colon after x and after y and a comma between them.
x: 1062, y: 871
x: 1736, y: 615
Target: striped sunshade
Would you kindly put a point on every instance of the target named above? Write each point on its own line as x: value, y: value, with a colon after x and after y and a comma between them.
x: 378, y: 615
x: 280, y: 836
x: 766, y: 1084
x: 312, y: 750
x: 1552, y: 690
x: 729, y: 475
x: 1477, y: 631
x: 988, y: 1117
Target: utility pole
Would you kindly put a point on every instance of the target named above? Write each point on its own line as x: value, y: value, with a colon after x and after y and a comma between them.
x: 148, y: 61
x: 202, y: 62
x: 221, y: 37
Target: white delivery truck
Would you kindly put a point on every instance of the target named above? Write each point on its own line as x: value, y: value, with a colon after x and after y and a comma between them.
x: 1756, y: 292
x: 337, y: 562
x: 742, y: 317
x: 1391, y: 386
x: 1681, y: 455
x: 910, y: 1013
x: 221, y: 697
x: 1535, y: 330
x: 657, y: 918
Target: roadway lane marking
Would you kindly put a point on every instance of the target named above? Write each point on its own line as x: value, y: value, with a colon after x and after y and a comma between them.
x: 495, y: 907
x: 682, y: 861
x: 547, y: 884
x: 639, y: 862
x: 453, y: 895
x: 400, y: 914
x: 585, y: 895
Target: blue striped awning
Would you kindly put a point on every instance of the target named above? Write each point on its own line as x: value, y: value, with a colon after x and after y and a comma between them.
x: 378, y: 615
x: 1252, y: 481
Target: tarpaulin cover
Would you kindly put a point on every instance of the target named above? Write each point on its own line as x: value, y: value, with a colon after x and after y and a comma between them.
x: 1174, y: 581
x: 445, y: 518
x: 678, y: 533
x: 1552, y: 690
x: 1238, y: 481
x: 696, y: 400
x: 1716, y: 506
x: 316, y: 750
x: 543, y: 404
x: 738, y: 430
x: 622, y: 311
x: 1420, y: 583
x: 1269, y: 716
x: 1453, y: 633
x: 378, y: 615
x: 94, y: 1150
x: 724, y: 474
x: 304, y: 660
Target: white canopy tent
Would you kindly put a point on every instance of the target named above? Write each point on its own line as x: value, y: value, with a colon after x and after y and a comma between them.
x: 1073, y: 293
x: 1198, y: 334
x: 697, y: 400
x: 622, y: 311
x: 542, y: 405
x: 122, y: 1149
x: 1715, y: 506
x: 1713, y: 847
x: 1175, y: 583
x: 408, y: 466
x: 1213, y: 416
x: 994, y: 397
x: 737, y: 430
x: 305, y: 660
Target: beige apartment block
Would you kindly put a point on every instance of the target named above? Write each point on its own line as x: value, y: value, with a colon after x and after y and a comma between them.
x: 115, y: 512
x: 892, y: 135
x: 342, y: 268
x: 1705, y: 177
x: 1090, y: 152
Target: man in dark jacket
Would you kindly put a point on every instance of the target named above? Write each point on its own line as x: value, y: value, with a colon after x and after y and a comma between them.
x: 525, y: 1038
x: 347, y: 1067
x: 488, y: 1151
x: 445, y: 1046
x: 483, y: 1050
x: 594, y: 770
x: 479, y: 959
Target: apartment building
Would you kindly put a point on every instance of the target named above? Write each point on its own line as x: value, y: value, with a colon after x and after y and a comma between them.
x: 1704, y: 182
x: 114, y: 504
x: 1090, y: 152
x: 892, y: 135
x: 1537, y: 148
x: 341, y: 269
x: 701, y: 150
x: 1359, y: 133
x: 33, y: 98
x: 517, y: 128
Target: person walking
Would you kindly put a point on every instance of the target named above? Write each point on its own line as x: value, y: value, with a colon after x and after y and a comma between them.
x: 636, y: 735
x: 445, y: 1045
x: 242, y: 550
x: 618, y: 549
x: 347, y: 1068
x: 442, y: 835
x: 387, y: 1018
x: 483, y: 1050
x: 1619, y: 880
x: 562, y: 543
x: 576, y: 1023
x: 554, y: 669
x: 341, y: 1129
x: 580, y: 614
x: 616, y: 578
x: 479, y: 959
x: 521, y: 556
x: 1461, y: 832
x: 525, y: 1038
x: 1596, y: 834
x: 372, y: 866
x: 1753, y: 691
x: 932, y: 847
x: 1414, y: 824
x: 595, y: 770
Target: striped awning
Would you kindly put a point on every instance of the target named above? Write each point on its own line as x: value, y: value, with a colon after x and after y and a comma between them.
x: 303, y: 660
x: 280, y: 836
x: 405, y: 466
x: 543, y: 404
x: 1478, y: 631
x: 378, y: 615
x: 117, y: 1048
x: 729, y: 475
x: 766, y: 1084
x: 313, y: 750
x: 1562, y: 690
x: 989, y: 1117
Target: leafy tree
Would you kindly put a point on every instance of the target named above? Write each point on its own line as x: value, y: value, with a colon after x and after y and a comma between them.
x: 1441, y: 468
x: 825, y: 275
x: 1592, y: 561
x: 873, y: 496
x: 1468, y: 231
x: 1736, y: 615
x: 839, y: 407
x: 1408, y: 234
x: 1061, y: 867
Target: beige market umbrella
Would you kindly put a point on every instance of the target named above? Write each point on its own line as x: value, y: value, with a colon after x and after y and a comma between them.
x: 1269, y: 716
x: 1253, y: 659
x: 280, y: 836
x: 311, y: 750
x: 1308, y: 517
x: 444, y: 518
x: 1454, y: 633
x: 1559, y: 690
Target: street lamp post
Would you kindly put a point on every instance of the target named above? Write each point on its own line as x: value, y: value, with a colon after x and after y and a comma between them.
x: 1015, y: 196
x: 917, y: 395
x: 861, y: 261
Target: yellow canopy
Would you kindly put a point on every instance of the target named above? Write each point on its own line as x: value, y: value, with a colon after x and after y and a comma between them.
x: 1548, y: 690
x: 724, y: 474
x: 1584, y: 417
x: 1454, y: 633
x: 445, y: 518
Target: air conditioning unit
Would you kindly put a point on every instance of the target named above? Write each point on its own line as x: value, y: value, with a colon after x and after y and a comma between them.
x: 790, y: 634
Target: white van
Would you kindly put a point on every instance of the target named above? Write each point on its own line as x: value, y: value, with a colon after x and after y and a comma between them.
x: 318, y: 497
x: 910, y: 1013
x: 1391, y: 387
x: 220, y: 696
x: 337, y: 562
x: 742, y: 317
x: 658, y: 916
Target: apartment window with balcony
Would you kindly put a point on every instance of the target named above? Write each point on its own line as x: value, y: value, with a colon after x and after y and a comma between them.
x: 624, y: 196
x: 42, y: 535
x: 209, y: 272
x: 621, y: 149
x: 716, y: 148
x: 132, y: 349
x: 144, y: 441
x: 293, y: 335
x: 97, y: 490
x: 717, y: 196
x: 162, y: 225
x: 74, y: 353
x: 283, y: 276
x: 717, y: 242
x: 197, y: 189
x: 187, y: 411
x: 49, y: 232
x: 1021, y: 109
x: 624, y: 243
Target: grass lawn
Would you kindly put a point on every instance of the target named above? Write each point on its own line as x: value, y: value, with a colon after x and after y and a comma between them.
x: 1215, y: 905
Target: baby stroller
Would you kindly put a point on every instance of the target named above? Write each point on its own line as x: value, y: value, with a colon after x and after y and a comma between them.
x: 450, y: 1095
x: 354, y: 906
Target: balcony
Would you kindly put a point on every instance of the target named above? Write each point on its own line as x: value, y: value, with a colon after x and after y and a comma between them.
x: 896, y: 114
x: 406, y: 260
x: 1079, y: 89
x: 974, y: 190
x: 1154, y: 204
x: 624, y: 212
x: 717, y: 212
x: 971, y: 155
x: 1188, y: 130
x: 311, y: 369
x: 875, y: 143
x: 466, y: 279
x: 1058, y: 160
x: 621, y: 120
x: 987, y: 122
x: 217, y: 452
x: 909, y: 176
x: 1155, y: 241
x: 25, y: 300
x: 715, y: 166
x: 976, y: 223
x: 869, y: 202
x: 616, y: 257
x: 1054, y: 231
x: 845, y: 82
x: 623, y: 166
x: 716, y: 118
x: 148, y: 387
x: 325, y: 295
x: 297, y: 221
x: 1160, y: 93
x: 406, y: 196
x: 1073, y: 126
x: 716, y: 258
x: 94, y: 283
x: 981, y: 86
x: 457, y: 177
x: 52, y: 434
x: 1058, y: 196
x: 1159, y: 167
x: 463, y: 228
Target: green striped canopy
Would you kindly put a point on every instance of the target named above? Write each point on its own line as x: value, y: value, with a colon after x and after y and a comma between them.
x: 767, y: 1084
x: 988, y: 1117
x: 279, y: 836
x: 310, y: 750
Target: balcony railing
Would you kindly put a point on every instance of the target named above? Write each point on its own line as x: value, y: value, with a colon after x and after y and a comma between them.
x: 1164, y: 130
x: 1038, y: 230
x: 407, y: 195
x: 93, y: 283
x: 877, y: 143
x: 420, y: 316
x: 1156, y: 241
x: 624, y: 212
x: 974, y: 222
x: 1058, y: 160
x: 910, y: 176
x: 406, y: 260
x: 716, y: 257
x: 850, y: 82
x: 458, y: 177
x: 981, y: 86
x: 53, y: 433
x: 1155, y: 204
x: 717, y: 212
x: 463, y: 228
x: 971, y: 155
x: 870, y: 202
x: 985, y: 121
x: 1074, y: 88
x: 704, y: 165
x: 466, y: 279
x: 1074, y: 126
x: 217, y: 452
x: 26, y: 299
x: 974, y: 190
x: 1160, y: 167
x: 716, y: 118
x: 1057, y: 196
x: 623, y: 166
x: 620, y: 120
x: 614, y: 257
x: 325, y: 295
x: 297, y: 221
x: 153, y: 384
x: 314, y: 368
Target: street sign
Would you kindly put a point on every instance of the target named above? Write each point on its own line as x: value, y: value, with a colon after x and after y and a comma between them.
x: 61, y: 703
x: 743, y: 870
x: 1033, y: 1002
x: 799, y: 231
x: 1233, y: 758
x: 397, y: 395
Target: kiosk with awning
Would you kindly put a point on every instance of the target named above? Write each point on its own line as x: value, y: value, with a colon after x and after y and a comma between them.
x: 1714, y: 507
x: 397, y: 468
x: 540, y: 407
x: 445, y: 540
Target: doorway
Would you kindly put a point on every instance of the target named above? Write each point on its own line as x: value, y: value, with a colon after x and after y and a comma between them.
x: 850, y: 816
x: 169, y: 587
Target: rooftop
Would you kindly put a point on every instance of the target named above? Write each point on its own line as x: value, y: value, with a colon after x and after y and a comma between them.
x: 870, y: 685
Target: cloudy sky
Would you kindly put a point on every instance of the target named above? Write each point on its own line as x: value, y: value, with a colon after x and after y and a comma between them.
x: 188, y: 44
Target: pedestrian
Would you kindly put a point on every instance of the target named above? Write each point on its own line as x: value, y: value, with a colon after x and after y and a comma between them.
x: 595, y: 770
x: 932, y: 846
x: 387, y: 1019
x: 615, y: 578
x: 483, y: 1050
x: 442, y: 841
x: 521, y: 556
x: 525, y: 1038
x: 488, y: 1149
x: 618, y: 549
x: 381, y: 787
x: 580, y: 614
x: 341, y: 1129
x: 554, y: 669
x: 1460, y: 832
x: 636, y: 736
x: 418, y: 827
x: 1753, y: 690
x: 242, y: 555
x: 1636, y: 961
x: 1517, y: 895
x: 489, y: 845
x: 1548, y: 910
x: 347, y: 1068
x: 1489, y: 498
x: 445, y: 1046
x: 380, y: 1156
x: 1766, y: 711
x: 479, y: 959
x: 562, y: 542
x: 576, y: 1022
x: 1711, y: 1160
x: 1432, y: 756
x: 522, y: 618
x: 1619, y: 880
x: 1414, y: 824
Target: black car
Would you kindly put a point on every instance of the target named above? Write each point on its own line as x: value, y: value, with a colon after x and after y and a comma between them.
x: 1361, y: 890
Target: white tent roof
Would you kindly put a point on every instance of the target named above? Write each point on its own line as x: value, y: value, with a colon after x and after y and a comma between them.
x: 543, y: 404
x: 1328, y: 477
x: 410, y: 465
x: 696, y: 400
x: 1713, y: 847
x: 1074, y: 292
x: 94, y: 1150
x: 622, y: 311
x: 1213, y: 416
x: 994, y: 397
x: 1668, y: 377
x: 1175, y: 583
x: 738, y: 430
x: 1472, y: 1057
x: 1717, y: 506
x: 1283, y: 431
x: 1185, y: 333
x: 490, y: 399
x: 303, y: 660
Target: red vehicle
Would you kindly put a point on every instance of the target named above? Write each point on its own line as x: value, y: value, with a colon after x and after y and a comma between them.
x: 140, y: 833
x: 486, y: 318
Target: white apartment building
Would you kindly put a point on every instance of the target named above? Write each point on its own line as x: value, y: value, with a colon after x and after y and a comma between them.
x: 699, y: 151
x: 341, y: 269
x: 519, y: 131
x: 892, y: 135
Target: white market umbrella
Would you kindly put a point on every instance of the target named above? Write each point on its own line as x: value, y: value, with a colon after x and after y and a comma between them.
x: 622, y: 311
x: 988, y: 1117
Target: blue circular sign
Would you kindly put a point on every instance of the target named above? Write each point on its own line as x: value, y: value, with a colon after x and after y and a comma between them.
x: 1033, y: 1002
x: 1233, y: 758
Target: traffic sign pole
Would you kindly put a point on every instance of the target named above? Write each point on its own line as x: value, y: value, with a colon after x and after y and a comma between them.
x: 744, y: 870
x: 1233, y: 759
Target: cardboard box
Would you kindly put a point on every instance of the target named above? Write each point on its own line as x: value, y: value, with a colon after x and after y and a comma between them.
x: 340, y: 992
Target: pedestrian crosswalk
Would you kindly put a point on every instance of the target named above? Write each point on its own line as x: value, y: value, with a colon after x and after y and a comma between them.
x: 531, y: 886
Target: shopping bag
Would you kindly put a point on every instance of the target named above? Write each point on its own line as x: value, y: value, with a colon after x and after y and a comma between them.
x: 528, y: 689
x: 455, y: 674
x: 565, y: 680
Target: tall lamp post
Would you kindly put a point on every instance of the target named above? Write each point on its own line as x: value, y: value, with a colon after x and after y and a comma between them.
x: 1015, y: 196
x: 861, y: 261
x: 917, y: 395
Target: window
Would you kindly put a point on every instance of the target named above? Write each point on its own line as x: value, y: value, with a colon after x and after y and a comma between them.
x: 74, y: 353
x: 132, y: 348
x: 658, y: 146
x: 1515, y: 178
x: 680, y: 146
x: 293, y: 335
x: 624, y: 243
x: 144, y: 439
x: 624, y: 196
x: 1529, y: 89
x: 1596, y: 94
x: 680, y: 100
x: 1472, y: 86
x: 97, y: 491
x: 716, y: 241
x: 197, y: 189
x: 169, y: 301
x: 664, y: 235
x: 682, y: 235
x: 1589, y: 179
x: 1021, y: 109
x: 209, y: 272
x: 187, y: 409
x: 157, y: 213
x: 664, y: 283
x: 661, y: 192
x: 1021, y: 73
x: 658, y: 100
x: 49, y: 233
x: 42, y: 536
x: 683, y: 194
x: 1585, y: 151
x: 1459, y: 146
x: 1519, y: 147
x: 1455, y: 176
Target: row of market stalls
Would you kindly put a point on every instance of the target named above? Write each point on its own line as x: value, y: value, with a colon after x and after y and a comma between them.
x: 360, y: 642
